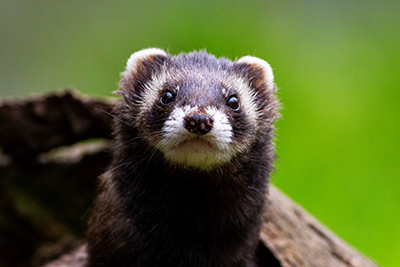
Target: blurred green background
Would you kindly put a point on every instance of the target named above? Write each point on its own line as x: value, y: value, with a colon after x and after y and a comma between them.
x: 336, y: 63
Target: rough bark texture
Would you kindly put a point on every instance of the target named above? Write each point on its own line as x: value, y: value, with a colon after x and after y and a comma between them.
x: 296, y: 238
x: 47, y: 183
x: 36, y: 125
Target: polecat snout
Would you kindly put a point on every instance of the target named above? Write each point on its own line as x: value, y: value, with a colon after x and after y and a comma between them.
x: 193, y: 151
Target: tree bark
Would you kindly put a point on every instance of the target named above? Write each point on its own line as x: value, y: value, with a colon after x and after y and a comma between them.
x: 43, y: 166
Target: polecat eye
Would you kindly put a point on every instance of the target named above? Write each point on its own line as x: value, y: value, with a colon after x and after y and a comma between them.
x: 233, y: 103
x: 167, y: 98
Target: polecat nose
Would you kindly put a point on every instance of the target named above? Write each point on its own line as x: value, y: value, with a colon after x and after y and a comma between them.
x: 198, y: 124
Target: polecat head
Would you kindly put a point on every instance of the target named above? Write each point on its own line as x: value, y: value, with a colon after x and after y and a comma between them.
x: 199, y: 111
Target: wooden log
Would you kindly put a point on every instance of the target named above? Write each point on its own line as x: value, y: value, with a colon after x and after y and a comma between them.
x: 296, y: 238
x: 40, y: 123
x: 30, y: 128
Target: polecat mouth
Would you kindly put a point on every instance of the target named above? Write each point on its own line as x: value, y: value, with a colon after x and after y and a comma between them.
x: 196, y: 145
x: 203, y: 152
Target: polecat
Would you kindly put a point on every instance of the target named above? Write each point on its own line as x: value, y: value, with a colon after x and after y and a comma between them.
x: 191, y: 161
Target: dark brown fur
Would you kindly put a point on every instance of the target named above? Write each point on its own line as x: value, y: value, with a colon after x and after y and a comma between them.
x: 150, y: 212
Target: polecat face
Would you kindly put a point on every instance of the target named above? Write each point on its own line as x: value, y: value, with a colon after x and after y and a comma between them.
x: 199, y: 111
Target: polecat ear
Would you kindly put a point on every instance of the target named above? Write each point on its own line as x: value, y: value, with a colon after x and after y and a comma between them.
x: 140, y: 68
x: 257, y: 71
